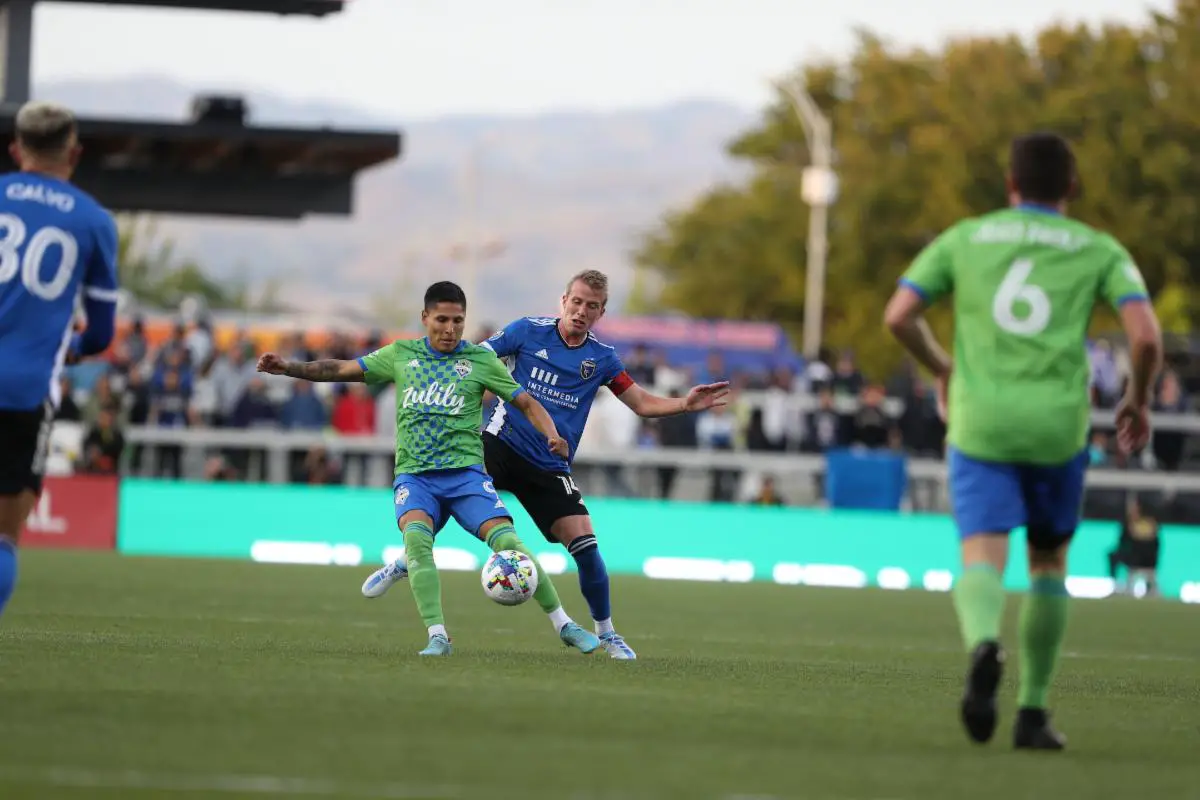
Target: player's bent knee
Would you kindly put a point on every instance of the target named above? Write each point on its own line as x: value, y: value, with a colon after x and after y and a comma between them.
x: 14, y: 512
x: 1048, y: 550
x: 569, y: 530
x: 985, y: 547
x: 414, y: 516
x: 485, y: 530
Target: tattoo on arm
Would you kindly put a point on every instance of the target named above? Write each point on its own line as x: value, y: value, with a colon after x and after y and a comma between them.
x: 325, y: 370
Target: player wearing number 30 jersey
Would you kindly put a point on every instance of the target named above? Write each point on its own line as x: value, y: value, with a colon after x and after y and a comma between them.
x: 1024, y: 282
x: 57, y: 246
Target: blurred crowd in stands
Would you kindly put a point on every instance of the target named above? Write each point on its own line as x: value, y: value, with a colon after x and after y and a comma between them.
x: 189, y: 380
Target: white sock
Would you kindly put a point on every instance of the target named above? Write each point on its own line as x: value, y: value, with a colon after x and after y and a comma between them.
x: 434, y: 630
x: 604, y: 626
x: 559, y: 618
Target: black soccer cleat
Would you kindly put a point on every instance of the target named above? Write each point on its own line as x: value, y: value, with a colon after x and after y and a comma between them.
x: 978, y: 710
x: 1033, y: 731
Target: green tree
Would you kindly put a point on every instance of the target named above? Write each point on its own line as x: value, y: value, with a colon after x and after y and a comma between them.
x: 922, y: 140
x: 151, y: 272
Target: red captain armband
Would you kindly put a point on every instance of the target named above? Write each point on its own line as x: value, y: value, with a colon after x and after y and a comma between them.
x: 619, y: 384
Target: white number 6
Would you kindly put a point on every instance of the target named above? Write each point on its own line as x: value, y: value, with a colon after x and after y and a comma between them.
x: 1014, y: 290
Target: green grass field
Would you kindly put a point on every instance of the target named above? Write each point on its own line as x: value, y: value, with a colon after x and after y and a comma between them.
x: 139, y: 678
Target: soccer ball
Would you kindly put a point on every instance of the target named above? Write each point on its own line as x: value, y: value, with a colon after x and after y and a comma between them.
x: 509, y: 577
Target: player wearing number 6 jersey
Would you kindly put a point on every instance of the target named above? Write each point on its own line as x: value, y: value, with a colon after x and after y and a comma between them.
x: 56, y: 245
x: 1024, y: 282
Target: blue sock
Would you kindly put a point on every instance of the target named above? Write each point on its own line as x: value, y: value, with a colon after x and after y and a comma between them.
x: 8, y: 570
x: 593, y: 578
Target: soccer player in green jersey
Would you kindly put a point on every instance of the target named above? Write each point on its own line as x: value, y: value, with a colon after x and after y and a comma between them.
x: 440, y: 381
x: 1024, y: 281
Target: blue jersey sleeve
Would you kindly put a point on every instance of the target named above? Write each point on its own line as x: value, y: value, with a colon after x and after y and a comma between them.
x: 616, y: 378
x: 508, y: 341
x: 100, y: 289
x: 614, y: 368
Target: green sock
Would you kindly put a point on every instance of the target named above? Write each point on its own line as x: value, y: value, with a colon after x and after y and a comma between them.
x: 979, y: 602
x: 504, y: 537
x: 422, y: 573
x: 1043, y: 624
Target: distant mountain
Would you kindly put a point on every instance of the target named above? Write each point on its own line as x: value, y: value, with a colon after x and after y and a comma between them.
x: 563, y: 191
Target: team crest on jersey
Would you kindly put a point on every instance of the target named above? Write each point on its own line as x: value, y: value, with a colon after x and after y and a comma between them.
x: 587, y: 369
x: 462, y: 367
x: 401, y: 495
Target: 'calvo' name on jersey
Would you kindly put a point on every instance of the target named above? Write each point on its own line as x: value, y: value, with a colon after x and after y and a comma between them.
x: 435, y: 394
x: 40, y: 193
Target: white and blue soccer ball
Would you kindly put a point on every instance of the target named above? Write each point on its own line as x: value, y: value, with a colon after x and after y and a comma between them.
x: 509, y: 577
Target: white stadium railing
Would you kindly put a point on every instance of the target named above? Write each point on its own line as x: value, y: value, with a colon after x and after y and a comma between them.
x: 276, y: 446
x: 894, y: 407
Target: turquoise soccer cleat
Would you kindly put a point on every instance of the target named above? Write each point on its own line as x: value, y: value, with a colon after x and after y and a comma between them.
x: 615, y: 646
x: 575, y: 636
x: 382, y: 579
x: 439, y: 645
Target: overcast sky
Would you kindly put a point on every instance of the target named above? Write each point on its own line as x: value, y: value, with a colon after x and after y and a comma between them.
x: 415, y: 59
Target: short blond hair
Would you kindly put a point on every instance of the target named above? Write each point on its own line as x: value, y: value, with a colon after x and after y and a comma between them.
x: 594, y: 279
x: 45, y: 128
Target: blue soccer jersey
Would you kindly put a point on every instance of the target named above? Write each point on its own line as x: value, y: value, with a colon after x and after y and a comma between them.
x: 58, y: 247
x: 562, y: 378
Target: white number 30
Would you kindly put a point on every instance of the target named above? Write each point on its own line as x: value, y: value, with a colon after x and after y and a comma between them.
x: 1013, y: 291
x: 29, y: 263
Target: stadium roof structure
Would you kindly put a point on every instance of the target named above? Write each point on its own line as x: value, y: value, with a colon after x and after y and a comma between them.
x: 214, y: 164
x: 221, y: 168
x: 313, y: 8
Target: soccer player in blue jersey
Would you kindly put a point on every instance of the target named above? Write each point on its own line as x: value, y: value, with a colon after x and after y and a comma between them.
x: 56, y: 243
x: 563, y: 365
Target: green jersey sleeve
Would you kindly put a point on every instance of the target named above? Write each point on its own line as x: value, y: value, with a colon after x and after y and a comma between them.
x: 495, y: 377
x: 931, y: 274
x: 1122, y: 280
x: 380, y: 366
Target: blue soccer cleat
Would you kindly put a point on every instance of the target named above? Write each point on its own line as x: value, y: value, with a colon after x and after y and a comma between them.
x: 575, y: 636
x: 439, y: 645
x: 382, y: 579
x: 615, y: 646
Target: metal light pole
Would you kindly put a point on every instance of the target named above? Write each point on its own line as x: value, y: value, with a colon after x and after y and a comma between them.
x: 473, y: 247
x: 818, y: 187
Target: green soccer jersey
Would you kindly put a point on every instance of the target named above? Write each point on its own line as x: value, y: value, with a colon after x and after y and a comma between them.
x: 439, y: 401
x: 1025, y: 282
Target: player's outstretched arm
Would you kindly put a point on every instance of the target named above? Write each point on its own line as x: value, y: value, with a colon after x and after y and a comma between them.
x: 700, y: 398
x: 537, y: 415
x: 329, y: 370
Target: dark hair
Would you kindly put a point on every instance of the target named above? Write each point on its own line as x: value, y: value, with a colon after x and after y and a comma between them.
x: 444, y: 292
x: 1043, y: 167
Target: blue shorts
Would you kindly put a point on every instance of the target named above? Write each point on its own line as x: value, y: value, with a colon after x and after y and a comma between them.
x: 995, y: 497
x: 465, y: 494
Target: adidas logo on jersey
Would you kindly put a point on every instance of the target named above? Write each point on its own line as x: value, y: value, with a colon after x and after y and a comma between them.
x: 542, y: 354
x: 414, y: 363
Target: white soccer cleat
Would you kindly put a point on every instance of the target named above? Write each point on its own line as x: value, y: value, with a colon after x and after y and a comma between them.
x: 615, y: 646
x: 382, y: 579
